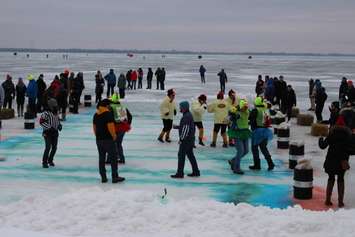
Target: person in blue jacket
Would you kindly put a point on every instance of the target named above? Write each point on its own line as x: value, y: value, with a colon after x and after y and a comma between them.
x: 187, y: 142
x: 111, y: 82
x: 31, y: 93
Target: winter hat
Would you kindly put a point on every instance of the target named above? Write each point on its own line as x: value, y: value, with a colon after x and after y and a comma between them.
x: 350, y: 82
x: 103, y: 103
x: 202, y: 97
x: 30, y: 77
x: 171, y: 92
x: 115, y: 98
x: 340, y: 121
x: 52, y: 103
x: 184, y: 105
x: 220, y: 95
x: 8, y: 77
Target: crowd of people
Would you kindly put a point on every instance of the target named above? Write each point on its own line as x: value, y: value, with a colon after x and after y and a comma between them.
x: 238, y: 122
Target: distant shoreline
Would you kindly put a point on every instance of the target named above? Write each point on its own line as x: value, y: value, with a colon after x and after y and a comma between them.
x: 137, y: 51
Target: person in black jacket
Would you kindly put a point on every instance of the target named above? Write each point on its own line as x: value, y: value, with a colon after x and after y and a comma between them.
x: 99, y: 86
x: 187, y: 142
x: 41, y: 85
x: 202, y: 74
x: 20, y: 96
x: 336, y: 161
x: 343, y: 91
x: 350, y: 93
x: 162, y: 79
x: 80, y: 81
x: 222, y: 80
x: 158, y: 76
x: 290, y: 101
x: 311, y: 95
x: 50, y: 123
x: 149, y: 78
x: 283, y: 94
x: 259, y: 87
x: 321, y: 97
x: 9, y: 89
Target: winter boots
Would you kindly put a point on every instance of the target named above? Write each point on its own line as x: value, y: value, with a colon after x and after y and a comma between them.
x: 200, y: 137
x: 160, y: 138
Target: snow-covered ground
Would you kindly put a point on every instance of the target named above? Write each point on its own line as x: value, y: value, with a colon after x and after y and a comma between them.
x: 69, y: 200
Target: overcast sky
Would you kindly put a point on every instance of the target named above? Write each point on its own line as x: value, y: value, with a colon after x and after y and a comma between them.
x: 209, y: 25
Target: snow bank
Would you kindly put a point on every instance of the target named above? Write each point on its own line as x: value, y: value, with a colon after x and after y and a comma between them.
x: 99, y: 212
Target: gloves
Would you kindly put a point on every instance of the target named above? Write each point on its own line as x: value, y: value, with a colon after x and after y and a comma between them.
x: 166, y: 114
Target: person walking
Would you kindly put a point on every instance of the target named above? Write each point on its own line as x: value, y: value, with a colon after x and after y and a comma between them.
x: 220, y: 110
x: 111, y: 82
x: 337, y: 159
x: 198, y: 108
x: 104, y: 130
x: 129, y: 80
x: 311, y: 95
x: 99, y: 86
x: 239, y: 131
x: 50, y: 123
x: 42, y: 86
x: 321, y: 97
x: 31, y: 93
x: 222, y: 80
x: 140, y: 78
x: 202, y: 74
x: 186, y: 143
x: 20, y: 96
x: 149, y: 78
x: 121, y: 84
x: 123, y: 120
x: 9, y: 89
x: 261, y: 134
x: 167, y: 113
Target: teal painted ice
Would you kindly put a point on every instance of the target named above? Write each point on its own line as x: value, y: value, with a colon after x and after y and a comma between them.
x: 149, y: 165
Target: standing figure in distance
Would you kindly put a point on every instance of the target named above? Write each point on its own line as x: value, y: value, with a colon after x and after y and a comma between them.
x: 222, y: 80
x: 202, y: 74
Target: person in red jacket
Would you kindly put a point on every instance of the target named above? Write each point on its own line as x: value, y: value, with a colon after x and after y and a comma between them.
x: 134, y: 77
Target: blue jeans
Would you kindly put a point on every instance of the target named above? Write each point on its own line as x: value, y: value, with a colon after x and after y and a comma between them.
x: 242, y: 147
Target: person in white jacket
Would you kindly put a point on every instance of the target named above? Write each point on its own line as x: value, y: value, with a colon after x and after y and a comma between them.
x: 167, y: 113
x: 198, y: 109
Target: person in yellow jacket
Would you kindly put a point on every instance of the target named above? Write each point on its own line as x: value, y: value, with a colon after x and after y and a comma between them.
x: 167, y: 113
x: 198, y: 108
x: 220, y: 109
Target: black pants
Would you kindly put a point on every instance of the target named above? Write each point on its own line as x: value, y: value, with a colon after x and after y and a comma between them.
x: 51, y: 141
x: 162, y: 85
x: 20, y: 109
x: 158, y: 84
x: 134, y: 84
x: 98, y: 97
x: 149, y: 86
x: 110, y: 90
x: 32, y: 105
x: 264, y: 150
x: 223, y: 86
x: 331, y: 177
x: 107, y: 147
x: 8, y: 102
x: 319, y: 110
x: 203, y: 79
x: 122, y: 93
x: 75, y: 102
x: 40, y: 103
x: 186, y: 149
x: 140, y: 84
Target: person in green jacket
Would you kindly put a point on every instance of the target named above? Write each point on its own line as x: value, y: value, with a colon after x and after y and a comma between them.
x: 239, y: 131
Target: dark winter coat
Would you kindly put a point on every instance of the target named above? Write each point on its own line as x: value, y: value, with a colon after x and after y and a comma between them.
x: 41, y: 85
x: 202, y: 70
x: 339, y: 142
x: 321, y: 97
x: 222, y: 77
x: 9, y: 89
x: 150, y: 75
x: 259, y: 88
x: 311, y: 87
x: 343, y: 89
x: 351, y: 94
x: 291, y: 98
x: 111, y: 78
x: 99, y: 88
x: 121, y: 84
x: 187, y: 127
x: 20, y: 94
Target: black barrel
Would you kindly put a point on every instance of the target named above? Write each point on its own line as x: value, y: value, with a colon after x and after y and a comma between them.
x: 296, y: 152
x: 277, y: 121
x: 87, y: 100
x: 29, y: 120
x: 303, y: 183
x: 283, y: 137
